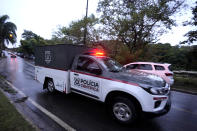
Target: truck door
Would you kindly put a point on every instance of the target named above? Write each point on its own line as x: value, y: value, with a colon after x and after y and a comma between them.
x: 85, y: 78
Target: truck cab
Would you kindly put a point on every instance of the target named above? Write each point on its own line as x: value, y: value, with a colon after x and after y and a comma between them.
x: 94, y: 75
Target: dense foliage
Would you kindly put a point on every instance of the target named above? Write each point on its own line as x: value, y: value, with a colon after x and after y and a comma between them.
x: 181, y: 57
x: 137, y: 22
x: 74, y: 33
x: 30, y: 41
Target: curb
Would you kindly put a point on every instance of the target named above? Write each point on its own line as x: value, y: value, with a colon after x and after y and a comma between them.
x: 11, y: 102
x: 184, y: 91
x: 54, y: 119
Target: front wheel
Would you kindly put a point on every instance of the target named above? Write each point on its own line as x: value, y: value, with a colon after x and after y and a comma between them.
x: 50, y: 86
x: 123, y: 110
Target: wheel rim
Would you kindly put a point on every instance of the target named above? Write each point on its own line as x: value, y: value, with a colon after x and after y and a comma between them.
x: 50, y: 86
x: 122, y: 111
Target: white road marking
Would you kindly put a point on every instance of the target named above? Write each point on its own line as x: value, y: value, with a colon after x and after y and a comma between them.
x: 45, y: 111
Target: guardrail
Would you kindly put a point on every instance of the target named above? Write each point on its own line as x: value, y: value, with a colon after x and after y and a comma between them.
x: 182, y: 72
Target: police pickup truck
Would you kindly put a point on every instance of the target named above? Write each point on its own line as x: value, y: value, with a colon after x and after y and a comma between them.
x: 89, y: 72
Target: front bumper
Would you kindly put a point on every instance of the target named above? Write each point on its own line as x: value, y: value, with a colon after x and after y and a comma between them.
x: 164, y: 111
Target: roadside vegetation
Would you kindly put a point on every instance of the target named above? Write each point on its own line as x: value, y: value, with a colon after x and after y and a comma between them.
x: 5, y: 87
x: 10, y: 119
x: 185, y: 83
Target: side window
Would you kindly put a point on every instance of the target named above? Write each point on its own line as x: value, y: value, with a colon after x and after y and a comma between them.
x: 132, y: 66
x: 145, y: 67
x: 157, y: 67
x: 82, y: 63
x: 88, y: 65
x: 92, y: 66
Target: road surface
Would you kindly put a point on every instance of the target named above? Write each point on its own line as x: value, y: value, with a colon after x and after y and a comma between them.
x: 84, y: 114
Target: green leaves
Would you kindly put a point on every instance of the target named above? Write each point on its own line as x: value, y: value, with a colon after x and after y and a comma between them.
x: 137, y: 22
x: 31, y: 40
x: 74, y: 33
x: 27, y: 35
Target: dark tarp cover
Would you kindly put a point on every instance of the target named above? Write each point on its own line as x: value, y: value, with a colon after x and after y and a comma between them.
x: 58, y: 56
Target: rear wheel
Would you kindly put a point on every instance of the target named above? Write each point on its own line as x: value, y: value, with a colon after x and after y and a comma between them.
x: 123, y: 110
x: 50, y: 86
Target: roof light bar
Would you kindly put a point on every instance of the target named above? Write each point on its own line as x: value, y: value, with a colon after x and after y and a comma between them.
x: 96, y: 52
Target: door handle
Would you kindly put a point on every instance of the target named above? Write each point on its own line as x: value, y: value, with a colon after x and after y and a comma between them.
x: 76, y: 74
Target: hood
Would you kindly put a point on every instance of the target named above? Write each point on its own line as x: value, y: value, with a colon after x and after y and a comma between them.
x: 138, y: 77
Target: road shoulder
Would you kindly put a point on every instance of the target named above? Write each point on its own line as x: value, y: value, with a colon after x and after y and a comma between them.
x: 28, y: 111
x: 10, y: 118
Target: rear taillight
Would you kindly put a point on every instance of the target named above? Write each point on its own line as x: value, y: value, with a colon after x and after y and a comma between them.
x: 168, y: 74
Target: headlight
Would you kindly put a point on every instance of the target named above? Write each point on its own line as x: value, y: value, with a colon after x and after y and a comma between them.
x: 156, y: 90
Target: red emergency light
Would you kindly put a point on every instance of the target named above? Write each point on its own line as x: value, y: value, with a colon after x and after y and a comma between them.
x: 96, y: 52
x: 99, y: 53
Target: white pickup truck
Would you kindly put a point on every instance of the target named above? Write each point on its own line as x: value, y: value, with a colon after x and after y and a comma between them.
x: 70, y: 68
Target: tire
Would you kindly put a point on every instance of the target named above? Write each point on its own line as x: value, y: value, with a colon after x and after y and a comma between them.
x: 123, y: 110
x: 50, y: 86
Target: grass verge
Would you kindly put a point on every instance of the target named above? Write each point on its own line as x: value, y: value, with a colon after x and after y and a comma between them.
x: 185, y: 82
x: 10, y: 118
x: 5, y: 86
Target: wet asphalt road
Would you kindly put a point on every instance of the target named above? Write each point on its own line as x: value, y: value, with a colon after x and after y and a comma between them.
x: 85, y: 114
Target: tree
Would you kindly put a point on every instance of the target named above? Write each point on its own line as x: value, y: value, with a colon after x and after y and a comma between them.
x: 7, y: 31
x: 27, y: 35
x: 74, y: 33
x: 30, y: 41
x: 137, y: 22
x: 192, y: 35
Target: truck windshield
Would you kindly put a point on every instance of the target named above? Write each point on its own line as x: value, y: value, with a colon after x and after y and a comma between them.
x: 111, y: 64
